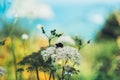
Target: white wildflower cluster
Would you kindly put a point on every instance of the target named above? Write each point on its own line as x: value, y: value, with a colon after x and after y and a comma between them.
x: 64, y: 53
x: 2, y: 71
x: 50, y: 51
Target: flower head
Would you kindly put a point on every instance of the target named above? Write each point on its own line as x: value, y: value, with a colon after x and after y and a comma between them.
x: 24, y: 36
x: 2, y: 71
x: 62, y: 53
x: 48, y: 52
x: 69, y: 53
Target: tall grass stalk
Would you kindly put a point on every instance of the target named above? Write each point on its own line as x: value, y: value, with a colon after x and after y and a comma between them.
x: 12, y: 49
x: 14, y: 57
x: 24, y: 46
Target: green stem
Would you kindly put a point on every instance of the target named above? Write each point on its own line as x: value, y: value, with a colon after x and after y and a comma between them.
x: 69, y: 77
x: 53, y: 76
x: 66, y: 61
x: 14, y: 57
x: 50, y: 75
x: 58, y: 77
x: 24, y: 48
x: 63, y: 70
x: 49, y: 41
x: 37, y: 73
x: 12, y: 49
x: 20, y: 76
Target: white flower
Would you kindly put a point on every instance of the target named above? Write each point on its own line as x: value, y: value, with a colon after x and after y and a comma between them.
x: 48, y: 53
x: 65, y: 53
x: 24, y: 36
x: 30, y: 8
x: 2, y: 71
x: 66, y: 40
x: 69, y: 53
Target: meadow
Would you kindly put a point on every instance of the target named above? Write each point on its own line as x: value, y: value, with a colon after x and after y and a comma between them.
x: 100, y: 58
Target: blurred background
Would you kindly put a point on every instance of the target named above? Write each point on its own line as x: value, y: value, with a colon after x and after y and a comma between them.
x: 95, y: 20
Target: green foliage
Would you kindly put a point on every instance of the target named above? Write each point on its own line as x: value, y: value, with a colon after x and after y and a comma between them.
x: 52, y: 35
x: 111, y: 29
x: 79, y: 42
x: 35, y: 60
x: 107, y: 38
x: 106, y: 58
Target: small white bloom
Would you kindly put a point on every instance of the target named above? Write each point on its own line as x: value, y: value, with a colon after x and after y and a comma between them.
x: 2, y: 71
x: 24, y: 36
x: 30, y: 9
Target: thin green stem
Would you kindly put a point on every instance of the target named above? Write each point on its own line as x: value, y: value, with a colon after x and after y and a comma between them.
x: 14, y: 57
x: 37, y: 73
x: 12, y: 49
x: 69, y: 77
x: 66, y: 61
x: 63, y: 70
x: 47, y: 36
x: 20, y: 76
x: 58, y: 77
x: 50, y: 75
x: 53, y: 76
x: 49, y: 41
x: 24, y: 48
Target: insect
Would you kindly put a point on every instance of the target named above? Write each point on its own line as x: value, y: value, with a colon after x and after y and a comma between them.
x: 59, y: 45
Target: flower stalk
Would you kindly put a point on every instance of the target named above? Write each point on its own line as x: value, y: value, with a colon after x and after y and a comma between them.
x: 12, y: 49
x: 14, y: 58
x: 37, y: 73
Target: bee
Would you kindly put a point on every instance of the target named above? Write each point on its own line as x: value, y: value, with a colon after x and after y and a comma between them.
x: 59, y: 45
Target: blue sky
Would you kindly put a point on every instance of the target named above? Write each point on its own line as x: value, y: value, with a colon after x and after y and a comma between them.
x: 74, y: 17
